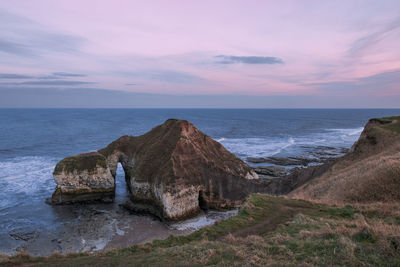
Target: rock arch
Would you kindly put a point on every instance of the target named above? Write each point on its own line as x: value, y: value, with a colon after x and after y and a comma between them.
x: 169, y: 171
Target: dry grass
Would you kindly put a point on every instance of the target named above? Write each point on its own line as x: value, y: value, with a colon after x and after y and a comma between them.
x: 370, y: 179
x: 369, y: 173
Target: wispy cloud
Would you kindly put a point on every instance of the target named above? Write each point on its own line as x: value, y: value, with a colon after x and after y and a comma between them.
x: 223, y: 59
x: 66, y: 74
x: 14, y: 48
x: 166, y: 76
x: 360, y: 45
x: 23, y: 37
x: 374, y: 83
x: 48, y: 83
x: 14, y: 76
x: 52, y: 76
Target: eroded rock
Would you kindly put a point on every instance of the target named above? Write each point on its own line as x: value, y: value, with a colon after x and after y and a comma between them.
x: 289, y: 161
x: 270, y: 171
x: 171, y: 171
x: 175, y: 169
x: 84, y: 177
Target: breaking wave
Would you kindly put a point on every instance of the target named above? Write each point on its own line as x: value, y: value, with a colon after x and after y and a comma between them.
x: 271, y: 146
x: 25, y: 176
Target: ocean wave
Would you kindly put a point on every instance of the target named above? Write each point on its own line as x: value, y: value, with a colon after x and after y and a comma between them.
x: 25, y: 176
x: 288, y: 144
x: 348, y: 132
x: 20, y: 166
x: 203, y: 220
x: 257, y: 147
x: 346, y: 136
x: 35, y: 172
x: 293, y: 145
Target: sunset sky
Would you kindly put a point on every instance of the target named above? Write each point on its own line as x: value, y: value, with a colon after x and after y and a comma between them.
x: 254, y: 54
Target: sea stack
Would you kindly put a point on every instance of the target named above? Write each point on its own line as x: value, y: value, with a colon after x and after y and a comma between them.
x: 84, y: 177
x: 171, y: 171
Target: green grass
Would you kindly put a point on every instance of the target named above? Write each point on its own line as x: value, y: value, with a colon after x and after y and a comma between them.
x: 267, y: 231
x: 392, y: 126
x: 82, y: 162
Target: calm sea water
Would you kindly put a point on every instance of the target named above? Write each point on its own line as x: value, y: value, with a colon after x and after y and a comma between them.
x: 32, y: 141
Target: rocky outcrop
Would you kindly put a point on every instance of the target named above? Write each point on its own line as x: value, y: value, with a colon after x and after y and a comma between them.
x: 171, y: 171
x: 84, y: 177
x: 175, y: 169
x: 312, y: 155
x: 289, y: 161
x: 269, y: 172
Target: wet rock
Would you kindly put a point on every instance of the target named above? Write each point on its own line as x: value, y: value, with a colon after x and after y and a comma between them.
x: 256, y: 160
x: 270, y: 171
x: 325, y: 152
x: 85, y: 177
x: 312, y: 155
x: 289, y: 161
x: 23, y: 235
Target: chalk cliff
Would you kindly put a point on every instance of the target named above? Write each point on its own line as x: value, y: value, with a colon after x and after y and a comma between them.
x: 83, y: 177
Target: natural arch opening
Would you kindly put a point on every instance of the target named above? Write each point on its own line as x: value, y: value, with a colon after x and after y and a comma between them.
x: 202, y: 201
x: 121, y: 187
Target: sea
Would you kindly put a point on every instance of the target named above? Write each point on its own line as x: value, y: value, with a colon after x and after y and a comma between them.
x: 32, y: 141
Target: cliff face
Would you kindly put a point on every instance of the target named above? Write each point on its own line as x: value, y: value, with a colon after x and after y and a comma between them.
x: 172, y: 171
x: 175, y: 169
x: 369, y: 172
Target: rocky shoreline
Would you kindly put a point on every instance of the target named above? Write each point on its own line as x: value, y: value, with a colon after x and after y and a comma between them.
x: 276, y: 167
x: 101, y: 227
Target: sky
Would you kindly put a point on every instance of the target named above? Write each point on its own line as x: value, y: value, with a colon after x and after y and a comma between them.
x: 200, y: 54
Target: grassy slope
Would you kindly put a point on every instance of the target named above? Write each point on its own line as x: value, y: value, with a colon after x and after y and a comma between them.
x: 267, y: 231
x: 371, y: 173
x: 394, y: 124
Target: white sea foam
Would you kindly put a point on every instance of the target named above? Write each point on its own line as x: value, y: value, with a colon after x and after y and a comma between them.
x: 208, y: 219
x: 257, y: 147
x: 270, y: 146
x: 25, y: 176
x: 346, y: 137
x: 289, y: 143
x: 357, y: 131
x: 348, y: 132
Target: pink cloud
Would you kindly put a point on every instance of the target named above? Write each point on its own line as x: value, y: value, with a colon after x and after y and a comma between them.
x: 170, y: 46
